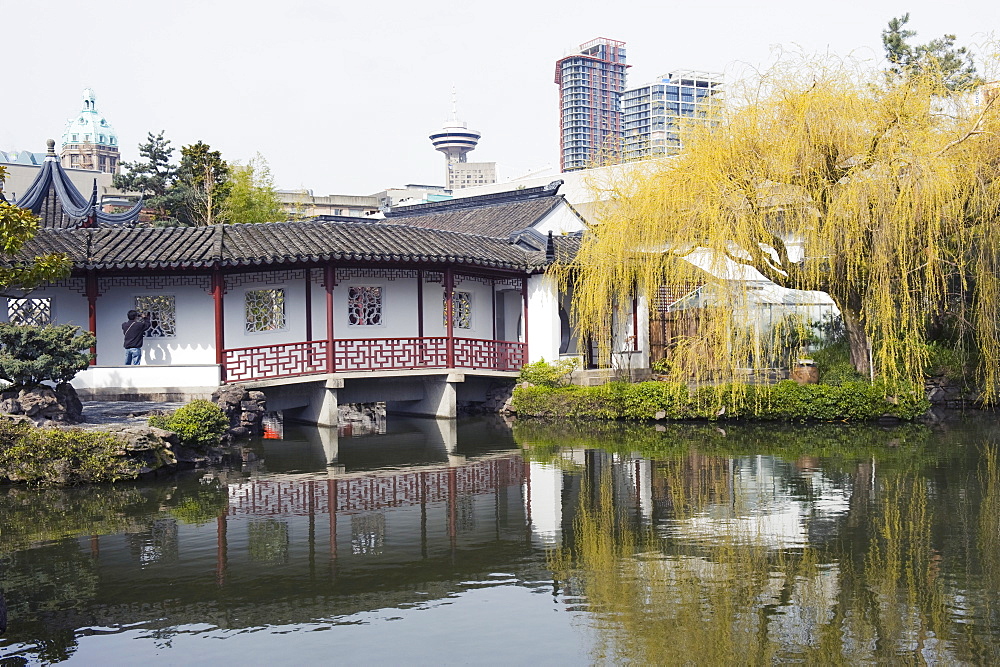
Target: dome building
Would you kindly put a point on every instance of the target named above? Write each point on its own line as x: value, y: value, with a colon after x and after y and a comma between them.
x: 89, y: 141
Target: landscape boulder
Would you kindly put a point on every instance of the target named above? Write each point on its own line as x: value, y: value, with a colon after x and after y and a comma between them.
x: 44, y: 405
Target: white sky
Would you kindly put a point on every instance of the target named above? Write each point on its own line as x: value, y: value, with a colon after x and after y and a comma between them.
x: 340, y: 96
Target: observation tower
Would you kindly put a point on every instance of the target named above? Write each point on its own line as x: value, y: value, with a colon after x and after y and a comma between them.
x: 456, y: 140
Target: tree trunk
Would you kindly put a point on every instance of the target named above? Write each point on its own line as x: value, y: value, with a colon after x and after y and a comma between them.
x: 857, y: 339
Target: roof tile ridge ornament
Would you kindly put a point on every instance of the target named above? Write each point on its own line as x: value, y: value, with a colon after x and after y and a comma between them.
x: 91, y: 219
x: 50, y: 150
x: 550, y: 249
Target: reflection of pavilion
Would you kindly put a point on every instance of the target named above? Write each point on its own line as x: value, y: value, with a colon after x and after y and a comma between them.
x: 293, y: 549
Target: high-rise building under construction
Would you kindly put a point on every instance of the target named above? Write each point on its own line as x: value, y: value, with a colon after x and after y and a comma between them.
x: 591, y: 84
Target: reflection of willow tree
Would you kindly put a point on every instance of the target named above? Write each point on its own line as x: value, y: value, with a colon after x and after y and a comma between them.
x: 989, y: 531
x: 47, y: 590
x: 668, y: 606
x: 267, y: 541
x: 904, y: 444
x: 31, y: 515
x: 883, y: 590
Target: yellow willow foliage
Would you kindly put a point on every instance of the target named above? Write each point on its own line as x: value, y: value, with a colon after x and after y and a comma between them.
x: 821, y: 176
x: 903, y: 573
x: 656, y: 603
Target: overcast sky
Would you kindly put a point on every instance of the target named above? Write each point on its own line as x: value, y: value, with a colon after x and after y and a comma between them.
x: 340, y: 96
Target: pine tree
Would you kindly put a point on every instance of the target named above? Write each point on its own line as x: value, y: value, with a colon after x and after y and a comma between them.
x: 154, y: 177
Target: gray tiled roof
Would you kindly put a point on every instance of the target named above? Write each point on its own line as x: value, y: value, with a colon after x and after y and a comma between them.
x: 275, y: 243
x: 498, y: 215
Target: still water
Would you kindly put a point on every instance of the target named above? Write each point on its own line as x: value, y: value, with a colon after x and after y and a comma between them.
x: 474, y: 542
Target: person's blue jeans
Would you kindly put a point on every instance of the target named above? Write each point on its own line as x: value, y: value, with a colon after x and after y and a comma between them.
x: 133, y: 355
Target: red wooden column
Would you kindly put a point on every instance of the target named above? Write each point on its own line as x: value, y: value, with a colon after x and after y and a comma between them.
x: 493, y: 305
x: 328, y: 282
x: 221, y: 548
x: 309, y: 305
x: 420, y: 303
x: 449, y: 308
x: 92, y: 294
x: 218, y: 289
x: 524, y: 317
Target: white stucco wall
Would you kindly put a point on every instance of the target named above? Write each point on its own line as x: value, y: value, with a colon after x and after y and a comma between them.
x: 400, y: 309
x: 560, y: 220
x: 543, y: 318
x: 234, y: 308
x: 148, y: 377
x: 67, y: 307
x: 194, y: 342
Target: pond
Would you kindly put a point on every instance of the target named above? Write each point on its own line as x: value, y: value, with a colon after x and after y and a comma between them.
x: 477, y: 542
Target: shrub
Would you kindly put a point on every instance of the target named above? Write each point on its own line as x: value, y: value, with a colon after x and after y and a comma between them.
x: 30, y: 355
x: 946, y: 361
x: 786, y: 400
x: 56, y: 456
x: 544, y: 374
x: 199, y: 424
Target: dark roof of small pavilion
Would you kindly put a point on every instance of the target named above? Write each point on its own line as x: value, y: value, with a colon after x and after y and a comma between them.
x: 276, y: 243
x: 496, y: 215
x: 53, y: 197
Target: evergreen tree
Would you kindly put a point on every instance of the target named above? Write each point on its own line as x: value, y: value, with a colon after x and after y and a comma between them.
x: 154, y: 177
x: 955, y: 66
x: 202, y: 184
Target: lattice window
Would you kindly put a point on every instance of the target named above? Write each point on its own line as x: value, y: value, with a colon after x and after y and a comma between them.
x: 462, y: 308
x: 265, y: 310
x: 364, y: 305
x: 162, y: 309
x: 30, y: 312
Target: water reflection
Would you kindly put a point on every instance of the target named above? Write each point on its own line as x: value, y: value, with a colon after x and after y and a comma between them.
x: 736, y: 558
x: 685, y: 544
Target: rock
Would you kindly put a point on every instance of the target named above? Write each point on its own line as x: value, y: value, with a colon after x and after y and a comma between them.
x: 153, y: 447
x: 660, y: 414
x: 243, y: 408
x: 43, y: 404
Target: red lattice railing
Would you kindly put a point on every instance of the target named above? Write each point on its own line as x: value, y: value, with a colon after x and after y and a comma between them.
x: 497, y: 355
x: 370, y: 354
x: 275, y: 361
x: 390, y: 354
x: 373, y: 492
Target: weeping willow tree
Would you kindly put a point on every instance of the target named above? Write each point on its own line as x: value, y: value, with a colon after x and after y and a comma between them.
x: 821, y: 175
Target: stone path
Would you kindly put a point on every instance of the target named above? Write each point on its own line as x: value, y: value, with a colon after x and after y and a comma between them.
x: 122, y: 412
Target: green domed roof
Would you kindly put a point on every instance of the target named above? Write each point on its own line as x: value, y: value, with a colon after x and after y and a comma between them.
x: 89, y: 125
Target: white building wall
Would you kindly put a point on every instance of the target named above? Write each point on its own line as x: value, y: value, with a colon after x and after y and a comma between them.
x: 195, y: 317
x: 67, y: 306
x: 513, y: 311
x: 235, y: 315
x: 399, y: 305
x: 561, y: 220
x: 543, y: 318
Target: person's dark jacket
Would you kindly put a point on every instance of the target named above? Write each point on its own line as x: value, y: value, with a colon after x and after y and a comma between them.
x: 134, y: 330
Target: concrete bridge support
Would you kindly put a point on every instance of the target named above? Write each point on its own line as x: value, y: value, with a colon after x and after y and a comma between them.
x: 316, y: 399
